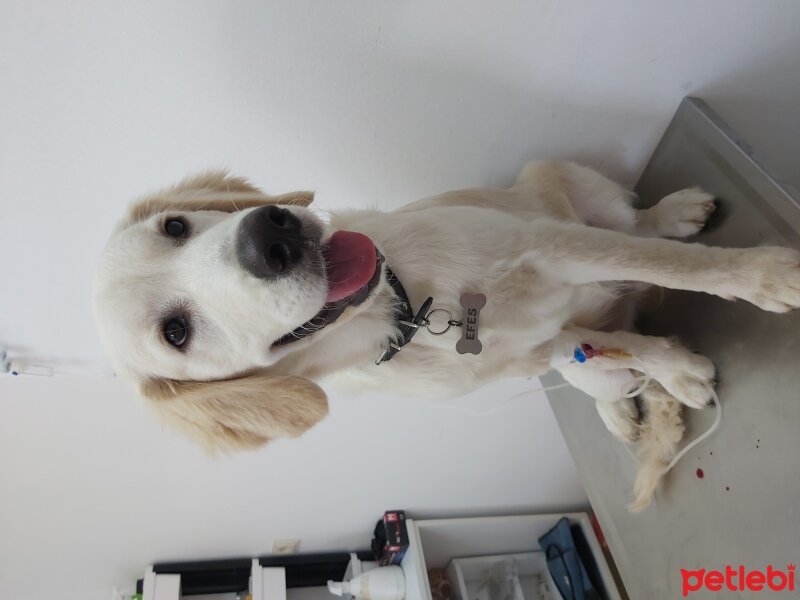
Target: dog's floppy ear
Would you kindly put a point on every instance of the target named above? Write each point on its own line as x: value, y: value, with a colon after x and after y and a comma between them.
x: 212, y: 190
x: 241, y: 413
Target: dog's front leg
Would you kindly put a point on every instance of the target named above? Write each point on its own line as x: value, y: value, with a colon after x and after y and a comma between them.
x: 768, y: 277
x: 678, y: 376
x: 687, y: 376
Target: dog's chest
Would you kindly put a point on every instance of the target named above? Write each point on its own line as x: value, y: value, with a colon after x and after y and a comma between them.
x: 520, y: 311
x: 468, y: 252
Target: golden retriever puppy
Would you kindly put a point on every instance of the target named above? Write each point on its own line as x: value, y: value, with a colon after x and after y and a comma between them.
x: 229, y: 307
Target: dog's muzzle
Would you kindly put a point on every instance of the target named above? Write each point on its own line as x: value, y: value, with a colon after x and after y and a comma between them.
x: 269, y: 243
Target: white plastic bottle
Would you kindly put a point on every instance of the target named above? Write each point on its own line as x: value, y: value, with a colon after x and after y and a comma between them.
x: 383, y: 583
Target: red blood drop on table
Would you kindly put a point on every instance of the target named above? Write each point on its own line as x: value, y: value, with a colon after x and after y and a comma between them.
x: 699, y: 473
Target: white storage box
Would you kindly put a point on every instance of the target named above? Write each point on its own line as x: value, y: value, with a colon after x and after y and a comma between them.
x: 531, y: 581
x: 161, y: 587
x: 267, y: 583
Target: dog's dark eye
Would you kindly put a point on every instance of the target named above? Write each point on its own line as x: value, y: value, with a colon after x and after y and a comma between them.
x: 175, y: 228
x: 176, y: 332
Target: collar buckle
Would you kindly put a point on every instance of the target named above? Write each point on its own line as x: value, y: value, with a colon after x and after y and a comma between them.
x: 407, y: 322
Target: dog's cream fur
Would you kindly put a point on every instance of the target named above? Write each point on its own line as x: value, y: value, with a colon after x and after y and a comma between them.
x: 555, y: 255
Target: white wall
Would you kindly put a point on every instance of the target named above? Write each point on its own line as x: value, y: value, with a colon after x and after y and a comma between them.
x: 369, y: 103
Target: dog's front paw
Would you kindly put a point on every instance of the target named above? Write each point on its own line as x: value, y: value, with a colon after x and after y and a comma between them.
x: 769, y: 278
x: 691, y: 391
x: 683, y: 213
x: 688, y: 377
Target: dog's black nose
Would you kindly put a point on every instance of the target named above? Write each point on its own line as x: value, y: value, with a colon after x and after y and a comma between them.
x: 269, y: 242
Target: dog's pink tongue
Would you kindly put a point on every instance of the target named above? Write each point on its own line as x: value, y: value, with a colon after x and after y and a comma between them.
x: 351, y: 261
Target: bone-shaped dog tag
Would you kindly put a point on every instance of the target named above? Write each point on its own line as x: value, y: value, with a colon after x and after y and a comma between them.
x: 469, y: 342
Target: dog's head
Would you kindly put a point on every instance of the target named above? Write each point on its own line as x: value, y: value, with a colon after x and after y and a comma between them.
x: 207, y: 285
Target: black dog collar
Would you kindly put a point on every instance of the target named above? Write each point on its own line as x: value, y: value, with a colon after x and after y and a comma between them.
x: 405, y: 319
